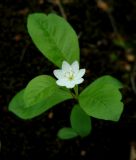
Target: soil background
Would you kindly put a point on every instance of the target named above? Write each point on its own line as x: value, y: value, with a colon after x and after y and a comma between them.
x: 20, y: 61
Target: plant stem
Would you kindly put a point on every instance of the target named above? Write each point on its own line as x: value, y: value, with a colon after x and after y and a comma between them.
x: 76, y: 91
x: 73, y: 95
x: 112, y: 22
x: 61, y: 9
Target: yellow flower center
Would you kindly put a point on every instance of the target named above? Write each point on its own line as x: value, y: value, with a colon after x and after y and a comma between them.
x: 69, y: 75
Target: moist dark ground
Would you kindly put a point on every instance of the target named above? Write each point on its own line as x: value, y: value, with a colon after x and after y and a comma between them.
x: 20, y: 61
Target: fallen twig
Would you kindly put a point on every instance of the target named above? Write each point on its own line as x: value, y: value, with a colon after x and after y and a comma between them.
x: 133, y: 151
x: 132, y: 78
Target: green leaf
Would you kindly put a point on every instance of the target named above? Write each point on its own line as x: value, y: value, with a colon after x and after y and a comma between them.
x: 38, y: 89
x: 54, y: 37
x: 102, y: 99
x: 105, y: 80
x: 67, y: 133
x: 17, y: 105
x: 120, y: 41
x: 80, y: 121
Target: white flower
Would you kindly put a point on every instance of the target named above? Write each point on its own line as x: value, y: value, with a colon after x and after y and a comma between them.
x: 69, y: 75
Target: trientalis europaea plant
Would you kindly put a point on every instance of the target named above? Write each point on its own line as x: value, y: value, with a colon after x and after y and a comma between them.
x: 58, y: 42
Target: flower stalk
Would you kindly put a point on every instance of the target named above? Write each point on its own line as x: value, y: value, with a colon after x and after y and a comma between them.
x: 76, y: 91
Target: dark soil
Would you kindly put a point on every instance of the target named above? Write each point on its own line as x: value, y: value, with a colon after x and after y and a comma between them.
x: 20, y: 61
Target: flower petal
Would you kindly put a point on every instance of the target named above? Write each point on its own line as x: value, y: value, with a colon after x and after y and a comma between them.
x: 66, y: 67
x: 75, y: 67
x: 78, y: 81
x: 70, y: 85
x: 58, y: 73
x: 80, y: 73
x: 61, y: 82
x: 66, y: 83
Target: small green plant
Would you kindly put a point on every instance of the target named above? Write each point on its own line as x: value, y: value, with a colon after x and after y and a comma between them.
x: 56, y: 39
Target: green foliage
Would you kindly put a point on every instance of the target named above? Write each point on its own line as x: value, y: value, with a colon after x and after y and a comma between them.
x: 54, y: 37
x: 102, y: 99
x: 80, y: 124
x: 17, y: 104
x: 67, y: 133
x: 39, y: 89
x: 80, y: 121
x: 121, y: 42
